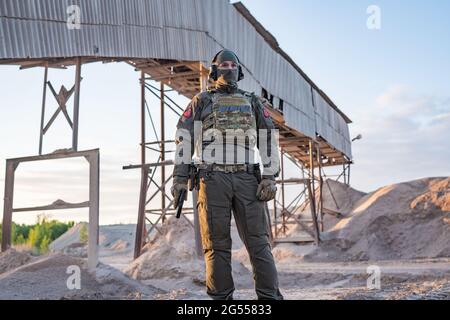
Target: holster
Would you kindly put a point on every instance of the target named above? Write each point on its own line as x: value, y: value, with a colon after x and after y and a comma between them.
x: 257, y: 173
x: 193, y: 178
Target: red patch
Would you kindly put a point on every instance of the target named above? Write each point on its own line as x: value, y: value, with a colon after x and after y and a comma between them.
x: 187, y: 113
x: 266, y: 113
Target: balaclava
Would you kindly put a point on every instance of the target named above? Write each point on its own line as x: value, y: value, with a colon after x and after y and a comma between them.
x: 227, y: 78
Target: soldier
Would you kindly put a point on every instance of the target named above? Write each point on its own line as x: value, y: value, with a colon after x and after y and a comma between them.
x: 227, y: 176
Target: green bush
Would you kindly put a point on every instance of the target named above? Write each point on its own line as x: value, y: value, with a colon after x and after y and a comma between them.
x: 38, y: 236
x: 84, y: 234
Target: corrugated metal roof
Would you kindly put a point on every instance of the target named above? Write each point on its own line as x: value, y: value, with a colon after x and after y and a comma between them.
x: 187, y: 30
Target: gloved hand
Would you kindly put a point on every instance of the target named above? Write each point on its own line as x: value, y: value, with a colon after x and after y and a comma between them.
x: 266, y: 190
x: 179, y: 183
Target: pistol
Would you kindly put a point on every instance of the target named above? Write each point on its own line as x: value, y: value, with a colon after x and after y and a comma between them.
x: 181, y: 198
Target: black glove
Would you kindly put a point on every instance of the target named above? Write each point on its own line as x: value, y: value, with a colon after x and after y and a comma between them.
x: 179, y: 183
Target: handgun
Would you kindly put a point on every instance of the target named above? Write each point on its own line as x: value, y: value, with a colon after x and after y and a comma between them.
x: 181, y: 198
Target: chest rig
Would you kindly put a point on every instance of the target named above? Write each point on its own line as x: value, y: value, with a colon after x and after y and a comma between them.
x: 229, y: 129
x: 230, y: 112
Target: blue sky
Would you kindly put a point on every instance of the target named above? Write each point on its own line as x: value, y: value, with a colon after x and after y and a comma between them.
x: 394, y: 83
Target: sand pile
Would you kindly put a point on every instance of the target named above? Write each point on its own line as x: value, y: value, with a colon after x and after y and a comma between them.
x: 336, y: 196
x: 12, y: 259
x: 71, y: 242
x: 47, y: 278
x: 113, y: 239
x: 170, y: 259
x: 340, y: 197
x: 400, y: 221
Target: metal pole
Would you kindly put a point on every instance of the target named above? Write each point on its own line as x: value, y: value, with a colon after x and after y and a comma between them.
x: 283, y: 209
x: 142, y: 118
x: 44, y: 97
x: 348, y: 178
x: 76, y: 105
x: 163, y: 154
x: 140, y: 226
x: 312, y: 200
x: 311, y: 166
x: 320, y: 201
x: 344, y: 172
x: 314, y: 215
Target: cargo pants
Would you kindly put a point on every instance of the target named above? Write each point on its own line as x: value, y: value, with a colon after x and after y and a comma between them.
x: 219, y: 194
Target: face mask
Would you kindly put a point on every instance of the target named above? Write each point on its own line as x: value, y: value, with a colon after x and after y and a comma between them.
x: 227, y: 76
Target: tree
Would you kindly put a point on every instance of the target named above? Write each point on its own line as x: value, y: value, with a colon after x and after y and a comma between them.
x: 83, y: 234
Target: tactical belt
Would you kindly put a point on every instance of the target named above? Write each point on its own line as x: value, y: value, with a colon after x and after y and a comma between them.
x: 228, y: 168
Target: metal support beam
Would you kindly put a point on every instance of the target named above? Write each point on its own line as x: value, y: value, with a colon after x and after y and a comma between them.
x: 44, y: 98
x: 283, y: 204
x: 76, y: 105
x: 320, y: 189
x: 163, y: 151
x: 140, y: 225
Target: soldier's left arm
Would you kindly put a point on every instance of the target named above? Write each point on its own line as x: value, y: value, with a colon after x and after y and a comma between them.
x: 267, y: 139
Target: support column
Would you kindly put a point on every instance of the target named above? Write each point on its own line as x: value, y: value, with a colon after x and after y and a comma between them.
x: 344, y: 173
x: 44, y: 98
x: 311, y: 167
x: 94, y: 199
x: 76, y: 105
x: 348, y: 177
x: 140, y: 226
x: 8, y: 204
x: 311, y: 186
x: 163, y: 154
x: 283, y: 208
x: 320, y: 200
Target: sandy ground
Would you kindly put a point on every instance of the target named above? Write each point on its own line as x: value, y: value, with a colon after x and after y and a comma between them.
x: 401, y: 230
x: 45, y: 278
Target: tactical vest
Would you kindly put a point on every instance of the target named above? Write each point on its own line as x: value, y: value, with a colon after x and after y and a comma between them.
x: 231, y: 112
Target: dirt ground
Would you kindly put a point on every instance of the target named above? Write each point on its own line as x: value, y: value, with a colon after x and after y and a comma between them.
x: 399, y: 234
x: 420, y: 279
x: 46, y: 277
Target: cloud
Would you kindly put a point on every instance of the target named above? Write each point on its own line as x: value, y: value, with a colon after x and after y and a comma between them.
x: 406, y: 135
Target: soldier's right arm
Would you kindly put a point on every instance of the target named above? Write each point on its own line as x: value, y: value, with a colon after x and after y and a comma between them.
x: 184, y: 138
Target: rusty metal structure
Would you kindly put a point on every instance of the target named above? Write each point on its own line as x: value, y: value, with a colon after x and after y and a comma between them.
x: 171, y: 42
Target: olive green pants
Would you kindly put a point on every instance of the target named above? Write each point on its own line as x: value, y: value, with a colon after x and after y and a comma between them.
x: 219, y: 194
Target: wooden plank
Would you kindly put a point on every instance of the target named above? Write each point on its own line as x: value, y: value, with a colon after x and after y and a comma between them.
x: 175, y: 75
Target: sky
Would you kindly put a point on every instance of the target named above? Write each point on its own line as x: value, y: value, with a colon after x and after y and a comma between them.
x: 393, y: 82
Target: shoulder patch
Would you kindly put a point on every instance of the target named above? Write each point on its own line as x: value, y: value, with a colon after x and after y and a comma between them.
x: 188, y: 112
